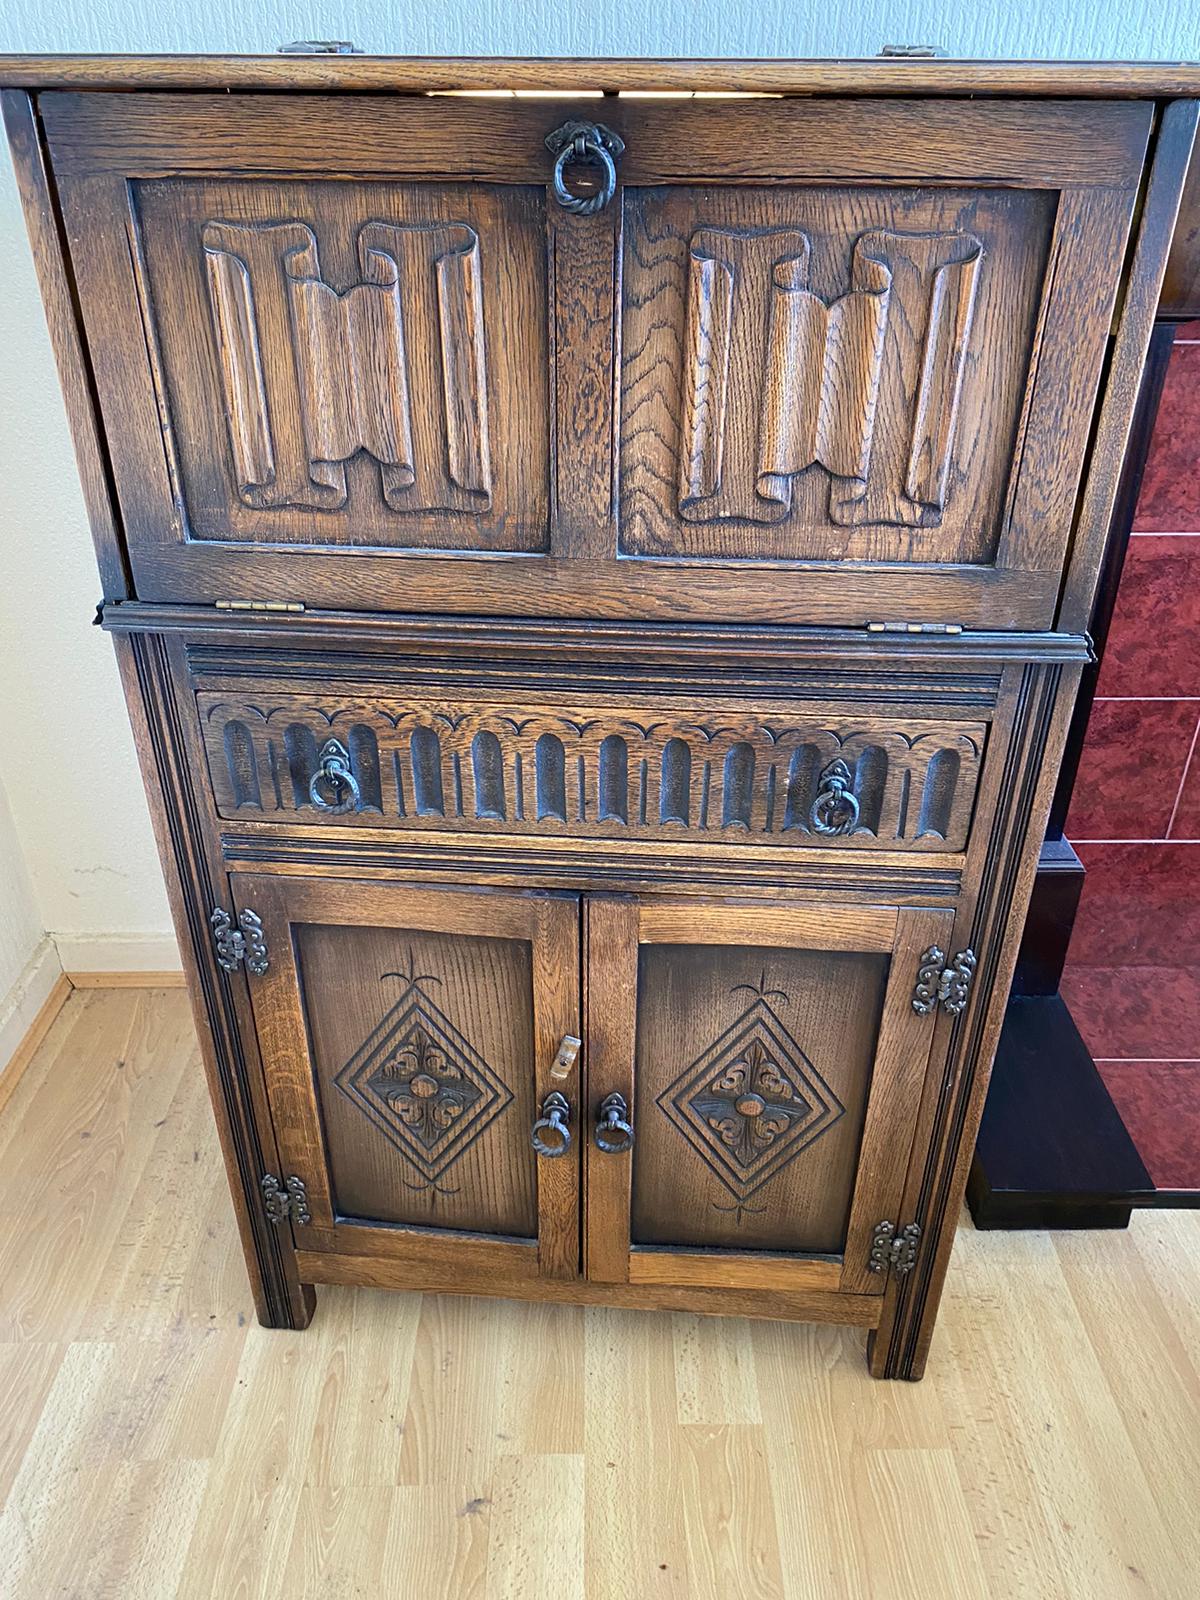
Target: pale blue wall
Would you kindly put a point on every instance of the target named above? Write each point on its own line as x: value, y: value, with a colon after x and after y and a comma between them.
x: 1056, y: 28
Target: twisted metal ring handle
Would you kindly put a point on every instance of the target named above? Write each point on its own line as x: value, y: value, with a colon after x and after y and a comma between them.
x: 555, y: 1119
x: 835, y: 809
x: 333, y: 788
x: 614, y: 1132
x: 585, y: 144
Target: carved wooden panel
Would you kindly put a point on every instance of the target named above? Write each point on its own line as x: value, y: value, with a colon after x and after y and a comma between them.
x: 356, y: 364
x: 753, y: 1071
x: 422, y: 1056
x: 826, y: 373
x: 722, y: 773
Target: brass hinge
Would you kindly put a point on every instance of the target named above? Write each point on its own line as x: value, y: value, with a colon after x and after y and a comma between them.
x: 285, y: 1200
x: 895, y: 1249
x: 246, y: 944
x: 939, y: 985
x: 259, y: 605
x: 914, y: 627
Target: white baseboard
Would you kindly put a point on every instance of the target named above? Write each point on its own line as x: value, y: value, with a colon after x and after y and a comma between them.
x: 19, y: 1008
x: 117, y: 952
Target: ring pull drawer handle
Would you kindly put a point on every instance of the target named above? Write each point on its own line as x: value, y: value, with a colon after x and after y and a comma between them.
x: 333, y: 788
x: 585, y: 144
x: 614, y: 1132
x: 835, y: 809
x: 552, y: 1131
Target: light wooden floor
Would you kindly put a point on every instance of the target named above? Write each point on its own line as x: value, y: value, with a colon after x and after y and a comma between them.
x: 154, y: 1442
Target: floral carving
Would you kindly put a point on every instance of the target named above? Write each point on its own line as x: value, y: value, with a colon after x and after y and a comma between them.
x: 751, y: 1102
x: 422, y: 1083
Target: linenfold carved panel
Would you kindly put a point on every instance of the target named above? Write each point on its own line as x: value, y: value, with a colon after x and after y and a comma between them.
x: 724, y: 775
x: 828, y: 373
x: 817, y: 377
x: 394, y: 366
x: 347, y: 365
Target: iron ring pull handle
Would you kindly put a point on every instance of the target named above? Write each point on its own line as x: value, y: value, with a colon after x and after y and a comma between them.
x: 551, y: 1132
x: 835, y: 809
x: 585, y: 144
x: 614, y: 1133
x: 333, y: 788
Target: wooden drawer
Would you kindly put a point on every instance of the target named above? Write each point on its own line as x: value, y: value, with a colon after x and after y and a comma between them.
x: 786, y: 374
x: 786, y: 773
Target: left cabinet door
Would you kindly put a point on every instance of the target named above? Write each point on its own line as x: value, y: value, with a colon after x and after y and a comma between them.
x: 408, y: 1039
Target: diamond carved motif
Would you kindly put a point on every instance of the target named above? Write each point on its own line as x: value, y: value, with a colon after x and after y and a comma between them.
x: 751, y: 1102
x: 423, y: 1084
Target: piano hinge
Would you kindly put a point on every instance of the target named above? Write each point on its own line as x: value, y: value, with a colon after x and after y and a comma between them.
x: 938, y: 985
x: 246, y: 944
x: 259, y: 605
x: 285, y: 1200
x: 897, y: 1250
x: 914, y: 627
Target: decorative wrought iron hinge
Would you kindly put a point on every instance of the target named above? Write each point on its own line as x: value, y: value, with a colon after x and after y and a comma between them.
x: 914, y: 627
x: 259, y: 605
x: 286, y: 1199
x: 246, y: 944
x: 939, y: 985
x: 897, y: 1250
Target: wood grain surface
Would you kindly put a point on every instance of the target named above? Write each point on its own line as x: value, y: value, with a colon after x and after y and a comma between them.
x: 574, y: 75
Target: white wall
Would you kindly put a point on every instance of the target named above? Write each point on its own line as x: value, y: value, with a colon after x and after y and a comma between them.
x: 66, y: 755
x: 28, y: 959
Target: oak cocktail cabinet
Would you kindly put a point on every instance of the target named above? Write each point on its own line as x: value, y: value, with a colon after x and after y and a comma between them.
x: 600, y: 579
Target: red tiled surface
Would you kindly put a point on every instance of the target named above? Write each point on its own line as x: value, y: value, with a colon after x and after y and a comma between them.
x: 1133, y: 763
x: 1136, y: 1013
x: 1153, y: 646
x: 1133, y: 971
x: 1140, y: 907
x: 1159, y: 1102
x: 1187, y: 816
x: 1170, y: 497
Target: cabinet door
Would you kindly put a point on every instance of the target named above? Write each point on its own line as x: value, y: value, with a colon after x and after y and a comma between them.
x: 765, y: 1065
x: 817, y: 361
x: 407, y: 1039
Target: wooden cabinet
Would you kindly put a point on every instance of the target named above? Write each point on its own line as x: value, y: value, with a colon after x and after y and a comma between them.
x: 600, y: 582
x: 766, y: 1063
x: 782, y: 374
x: 408, y: 1038
x: 749, y: 1077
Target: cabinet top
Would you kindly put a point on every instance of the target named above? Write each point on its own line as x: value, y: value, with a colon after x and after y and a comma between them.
x: 426, y: 74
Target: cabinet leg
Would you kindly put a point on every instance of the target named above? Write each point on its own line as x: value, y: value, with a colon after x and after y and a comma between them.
x: 911, y: 1372
x: 295, y: 1314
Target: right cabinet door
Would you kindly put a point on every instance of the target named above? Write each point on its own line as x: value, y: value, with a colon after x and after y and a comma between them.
x: 754, y: 1076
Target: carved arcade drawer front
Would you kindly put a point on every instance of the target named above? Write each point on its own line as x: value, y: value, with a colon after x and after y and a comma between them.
x: 786, y: 774
x: 768, y: 369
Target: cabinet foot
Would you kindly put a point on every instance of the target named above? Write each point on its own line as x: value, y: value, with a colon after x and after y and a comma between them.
x: 910, y: 1372
x: 294, y: 1314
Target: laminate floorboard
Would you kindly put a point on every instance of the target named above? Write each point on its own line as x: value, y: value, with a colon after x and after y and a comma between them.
x: 155, y: 1442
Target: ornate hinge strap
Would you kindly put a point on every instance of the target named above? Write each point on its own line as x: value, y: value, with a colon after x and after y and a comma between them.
x: 938, y: 984
x: 286, y: 1199
x: 247, y: 943
x: 897, y: 1250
